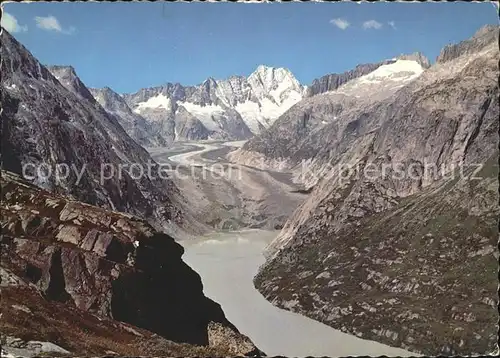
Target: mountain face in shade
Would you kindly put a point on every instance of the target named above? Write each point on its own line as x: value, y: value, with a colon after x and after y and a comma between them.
x: 482, y: 38
x: 66, y: 76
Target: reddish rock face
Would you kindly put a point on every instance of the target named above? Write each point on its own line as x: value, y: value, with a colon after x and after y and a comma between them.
x: 107, y: 263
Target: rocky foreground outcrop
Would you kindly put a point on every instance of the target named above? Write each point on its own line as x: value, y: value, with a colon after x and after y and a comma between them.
x: 72, y: 273
x: 397, y: 241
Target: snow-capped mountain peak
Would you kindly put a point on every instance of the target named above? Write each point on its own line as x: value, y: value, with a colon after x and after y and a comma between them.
x: 273, y: 71
x: 274, y: 91
x: 209, y: 82
x: 232, y: 108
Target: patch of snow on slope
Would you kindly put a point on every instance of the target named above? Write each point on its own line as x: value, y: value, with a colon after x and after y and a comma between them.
x: 383, y: 81
x: 401, y: 69
x: 250, y: 113
x: 158, y: 101
x: 293, y: 97
x: 270, y: 109
x: 205, y: 114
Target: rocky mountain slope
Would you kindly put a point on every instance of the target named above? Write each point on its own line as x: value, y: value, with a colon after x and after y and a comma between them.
x: 92, y: 281
x: 397, y: 241
x: 230, y: 109
x: 234, y: 108
x: 49, y: 120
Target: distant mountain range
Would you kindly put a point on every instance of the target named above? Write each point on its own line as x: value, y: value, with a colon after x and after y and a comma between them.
x: 231, y: 109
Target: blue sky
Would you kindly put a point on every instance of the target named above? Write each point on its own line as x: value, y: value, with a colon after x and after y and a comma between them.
x: 127, y: 46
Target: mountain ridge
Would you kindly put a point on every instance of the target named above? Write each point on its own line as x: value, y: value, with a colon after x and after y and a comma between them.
x: 133, y: 123
x: 88, y: 269
x: 236, y: 107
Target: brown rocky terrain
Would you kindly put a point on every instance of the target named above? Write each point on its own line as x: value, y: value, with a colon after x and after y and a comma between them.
x: 421, y: 275
x: 94, y: 281
x: 409, y: 259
